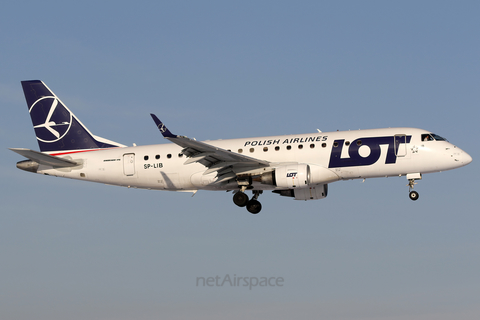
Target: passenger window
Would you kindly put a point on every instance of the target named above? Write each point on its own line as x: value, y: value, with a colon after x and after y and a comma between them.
x: 169, y: 156
x: 300, y: 146
x: 252, y: 150
x: 180, y: 155
x: 265, y: 149
x: 145, y: 158
x: 289, y: 147
x: 240, y: 150
x: 277, y: 148
x: 312, y: 146
x: 157, y: 156
x: 324, y: 145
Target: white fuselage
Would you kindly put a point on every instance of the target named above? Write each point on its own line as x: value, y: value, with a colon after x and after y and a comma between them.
x: 347, y: 154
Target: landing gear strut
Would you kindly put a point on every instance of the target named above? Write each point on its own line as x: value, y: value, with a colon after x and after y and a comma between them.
x: 241, y: 200
x: 411, y: 182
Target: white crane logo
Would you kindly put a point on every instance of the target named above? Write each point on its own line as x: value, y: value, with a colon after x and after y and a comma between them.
x: 162, y: 128
x: 57, y: 121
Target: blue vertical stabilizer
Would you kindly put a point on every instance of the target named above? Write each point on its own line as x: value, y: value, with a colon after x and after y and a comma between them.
x: 56, y: 127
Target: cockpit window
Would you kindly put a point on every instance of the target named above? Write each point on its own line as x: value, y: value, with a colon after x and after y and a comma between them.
x: 427, y: 137
x: 438, y: 138
x: 432, y: 137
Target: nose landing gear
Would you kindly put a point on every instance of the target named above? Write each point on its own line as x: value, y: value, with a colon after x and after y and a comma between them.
x: 411, y: 182
x: 413, y: 195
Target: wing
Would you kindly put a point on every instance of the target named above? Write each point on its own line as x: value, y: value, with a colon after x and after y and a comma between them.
x: 214, y: 158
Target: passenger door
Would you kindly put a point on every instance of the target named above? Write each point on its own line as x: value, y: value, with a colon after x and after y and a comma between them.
x: 129, y: 164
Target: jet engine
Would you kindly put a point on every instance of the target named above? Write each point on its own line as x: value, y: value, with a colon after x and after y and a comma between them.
x: 301, y: 181
x: 298, y: 176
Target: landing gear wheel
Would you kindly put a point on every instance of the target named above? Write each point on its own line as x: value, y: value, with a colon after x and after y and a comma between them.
x: 253, y: 206
x: 413, y: 195
x: 240, y: 199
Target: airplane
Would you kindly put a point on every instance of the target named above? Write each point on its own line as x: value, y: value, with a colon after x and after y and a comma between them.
x: 298, y: 166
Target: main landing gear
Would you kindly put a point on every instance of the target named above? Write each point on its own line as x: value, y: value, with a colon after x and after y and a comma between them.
x: 241, y: 200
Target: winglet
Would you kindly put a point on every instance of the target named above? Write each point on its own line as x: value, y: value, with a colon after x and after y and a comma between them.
x: 165, y: 132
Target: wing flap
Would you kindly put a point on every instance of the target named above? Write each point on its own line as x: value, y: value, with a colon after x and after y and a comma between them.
x: 197, y: 157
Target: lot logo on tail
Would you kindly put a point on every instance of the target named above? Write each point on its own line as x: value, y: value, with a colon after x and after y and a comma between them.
x: 51, y: 120
x: 162, y: 128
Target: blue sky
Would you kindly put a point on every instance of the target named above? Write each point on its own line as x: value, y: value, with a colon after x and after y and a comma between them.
x: 216, y: 69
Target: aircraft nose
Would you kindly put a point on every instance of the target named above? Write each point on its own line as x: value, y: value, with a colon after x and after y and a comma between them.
x: 461, y: 157
x: 466, y: 158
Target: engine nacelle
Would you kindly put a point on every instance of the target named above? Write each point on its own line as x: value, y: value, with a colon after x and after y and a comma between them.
x: 299, y: 176
x: 293, y: 176
x: 310, y: 193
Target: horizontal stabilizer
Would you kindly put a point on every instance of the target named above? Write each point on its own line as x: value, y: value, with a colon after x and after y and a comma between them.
x: 43, y: 158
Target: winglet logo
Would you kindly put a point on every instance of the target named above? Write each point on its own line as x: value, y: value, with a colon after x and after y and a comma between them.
x: 162, y: 128
x: 51, y: 120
